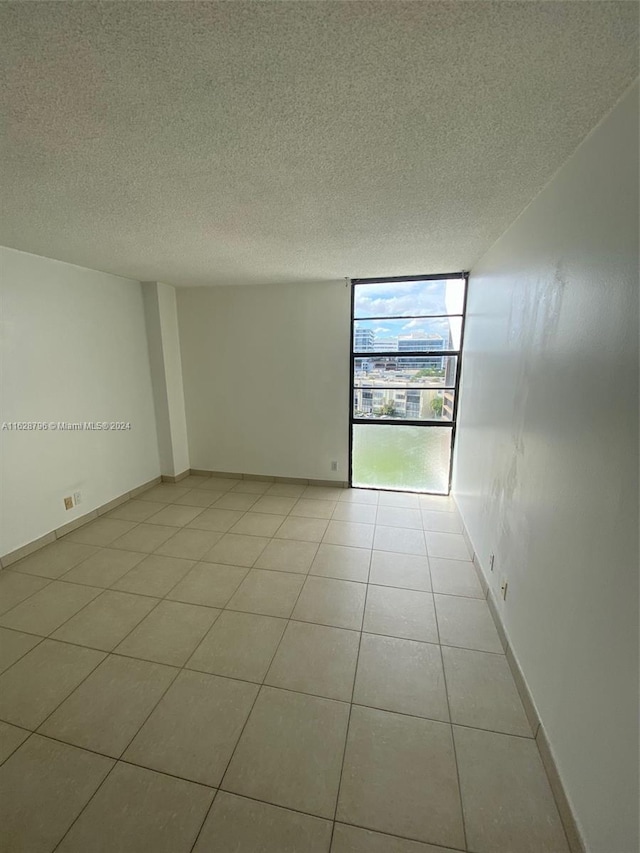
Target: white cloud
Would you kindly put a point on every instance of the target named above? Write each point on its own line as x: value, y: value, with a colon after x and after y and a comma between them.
x: 407, y: 298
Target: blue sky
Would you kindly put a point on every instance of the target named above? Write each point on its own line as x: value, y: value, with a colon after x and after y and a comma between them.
x: 404, y: 299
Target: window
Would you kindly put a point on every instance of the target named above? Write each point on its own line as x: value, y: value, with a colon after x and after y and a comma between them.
x: 405, y: 368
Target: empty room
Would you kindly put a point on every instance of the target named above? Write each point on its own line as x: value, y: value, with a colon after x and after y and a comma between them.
x: 319, y: 426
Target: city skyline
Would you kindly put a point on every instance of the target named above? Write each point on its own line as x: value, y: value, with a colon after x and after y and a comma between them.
x: 369, y: 333
x: 367, y: 338
x: 431, y: 308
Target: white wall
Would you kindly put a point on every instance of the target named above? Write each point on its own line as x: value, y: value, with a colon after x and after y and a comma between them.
x: 266, y: 378
x: 547, y: 463
x: 74, y: 349
x: 161, y: 316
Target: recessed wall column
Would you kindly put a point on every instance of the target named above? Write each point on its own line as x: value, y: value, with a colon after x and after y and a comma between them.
x: 166, y: 376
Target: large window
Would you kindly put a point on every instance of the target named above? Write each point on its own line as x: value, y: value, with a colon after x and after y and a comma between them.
x: 405, y: 367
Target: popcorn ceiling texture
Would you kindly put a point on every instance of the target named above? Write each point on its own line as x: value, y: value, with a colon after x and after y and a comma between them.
x: 245, y: 142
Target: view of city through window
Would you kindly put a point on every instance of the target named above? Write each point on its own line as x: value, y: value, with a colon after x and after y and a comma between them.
x: 406, y: 345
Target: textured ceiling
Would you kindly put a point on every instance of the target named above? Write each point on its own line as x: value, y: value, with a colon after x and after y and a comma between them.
x: 233, y: 142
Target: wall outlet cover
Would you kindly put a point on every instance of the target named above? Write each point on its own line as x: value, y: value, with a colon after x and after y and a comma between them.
x: 68, y: 503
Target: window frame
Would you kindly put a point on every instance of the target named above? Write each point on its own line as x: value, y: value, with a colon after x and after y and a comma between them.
x: 353, y: 356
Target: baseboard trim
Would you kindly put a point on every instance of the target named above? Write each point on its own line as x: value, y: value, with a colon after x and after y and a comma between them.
x: 523, y: 689
x: 116, y: 502
x: 574, y: 838
x: 169, y: 478
x: 264, y: 478
x: 143, y: 488
x: 576, y: 845
x: 25, y: 550
x: 203, y: 472
x: 76, y: 523
x: 493, y: 608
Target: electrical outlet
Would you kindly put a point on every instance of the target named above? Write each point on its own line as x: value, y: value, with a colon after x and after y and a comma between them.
x: 68, y: 503
x: 334, y: 465
x: 503, y: 589
x: 492, y: 559
x: 77, y: 498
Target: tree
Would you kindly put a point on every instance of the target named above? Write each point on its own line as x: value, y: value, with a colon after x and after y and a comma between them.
x: 426, y: 372
x: 436, y: 407
x: 389, y: 409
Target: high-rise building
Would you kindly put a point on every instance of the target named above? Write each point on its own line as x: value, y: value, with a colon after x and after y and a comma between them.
x: 420, y: 343
x: 363, y: 340
x: 386, y: 344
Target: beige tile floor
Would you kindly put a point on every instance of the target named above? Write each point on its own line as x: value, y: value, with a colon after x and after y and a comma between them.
x: 225, y: 665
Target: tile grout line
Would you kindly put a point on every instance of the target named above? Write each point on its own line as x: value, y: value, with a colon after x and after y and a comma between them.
x: 145, y: 554
x: 46, y: 577
x: 77, y: 687
x: 184, y: 667
x: 16, y: 748
x: 125, y: 498
x: 40, y: 641
x: 166, y: 505
x: 258, y: 692
x: 204, y: 637
x: 216, y: 791
x: 116, y: 762
x: 31, y: 594
x: 453, y: 740
x: 446, y: 690
x: 136, y: 524
x: 117, y: 759
x: 263, y: 683
x: 351, y: 703
x: 221, y: 608
x: 100, y: 594
x: 140, y: 496
x: 325, y: 819
x: 86, y: 805
x: 91, y: 671
x: 231, y: 793
x: 49, y: 636
x: 165, y: 597
x: 413, y: 839
x: 186, y: 527
x: 106, y: 655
